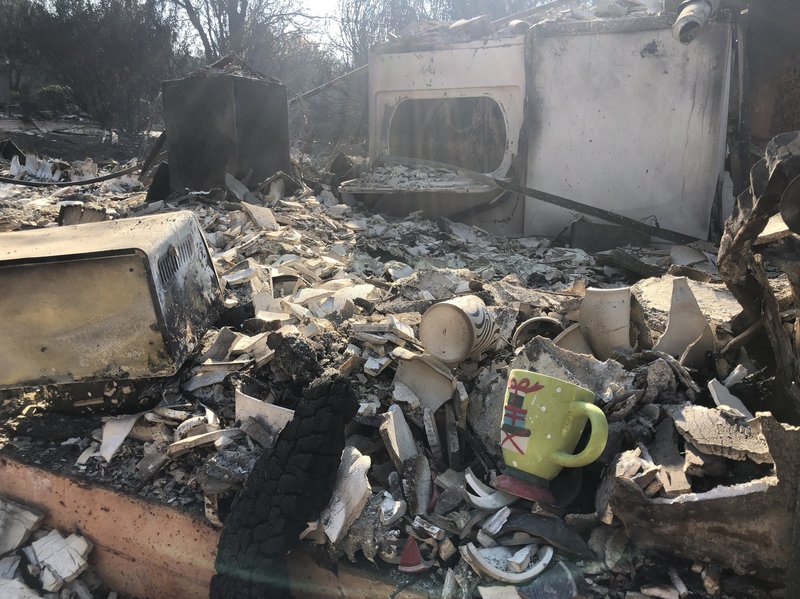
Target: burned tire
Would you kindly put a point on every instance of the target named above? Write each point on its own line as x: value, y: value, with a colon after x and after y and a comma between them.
x: 287, y: 488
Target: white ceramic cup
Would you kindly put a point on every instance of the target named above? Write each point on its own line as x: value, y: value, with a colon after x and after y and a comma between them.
x: 456, y: 329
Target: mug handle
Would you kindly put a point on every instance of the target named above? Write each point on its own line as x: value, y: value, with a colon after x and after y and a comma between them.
x: 597, y: 438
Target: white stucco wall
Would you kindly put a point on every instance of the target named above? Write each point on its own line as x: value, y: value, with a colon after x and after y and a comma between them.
x: 632, y: 122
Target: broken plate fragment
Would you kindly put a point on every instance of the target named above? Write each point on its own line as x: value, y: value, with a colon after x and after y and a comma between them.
x: 391, y: 510
x: 483, y: 496
x: 494, y: 562
x: 411, y: 560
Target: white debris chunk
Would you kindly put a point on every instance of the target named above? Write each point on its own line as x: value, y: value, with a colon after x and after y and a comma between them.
x: 403, y: 394
x: 397, y: 436
x: 16, y: 589
x: 391, y: 510
x: 350, y: 494
x: 261, y: 216
x: 737, y: 375
x: 60, y: 559
x: 16, y: 524
x: 8, y: 566
x: 189, y: 443
x: 723, y: 397
x: 274, y: 416
x: 115, y: 431
x: 521, y: 559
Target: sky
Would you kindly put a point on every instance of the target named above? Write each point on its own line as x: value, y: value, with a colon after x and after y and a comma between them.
x: 320, y: 8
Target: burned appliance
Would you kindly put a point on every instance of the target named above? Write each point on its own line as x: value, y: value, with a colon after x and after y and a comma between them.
x: 219, y: 122
x: 458, y: 103
x: 114, y: 300
x: 611, y: 113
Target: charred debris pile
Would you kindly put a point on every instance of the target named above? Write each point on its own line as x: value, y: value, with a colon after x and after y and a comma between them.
x: 692, y: 494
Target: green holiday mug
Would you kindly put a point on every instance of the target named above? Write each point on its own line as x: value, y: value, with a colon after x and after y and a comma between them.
x: 543, y: 419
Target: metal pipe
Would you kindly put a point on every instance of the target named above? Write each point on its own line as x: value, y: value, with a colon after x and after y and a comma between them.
x: 114, y: 175
x: 692, y: 16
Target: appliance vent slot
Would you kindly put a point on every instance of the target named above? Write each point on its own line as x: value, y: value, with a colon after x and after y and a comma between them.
x: 171, y: 262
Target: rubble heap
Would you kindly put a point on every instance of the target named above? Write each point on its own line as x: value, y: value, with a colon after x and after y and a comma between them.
x: 314, y: 287
x: 39, y: 562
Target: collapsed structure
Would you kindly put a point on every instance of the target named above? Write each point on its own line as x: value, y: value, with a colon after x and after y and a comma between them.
x: 330, y: 403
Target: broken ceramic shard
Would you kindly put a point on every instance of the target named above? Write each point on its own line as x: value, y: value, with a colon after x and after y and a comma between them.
x: 493, y: 562
x: 272, y: 416
x: 427, y: 378
x: 191, y: 426
x: 350, y: 495
x: 541, y: 325
x: 605, y: 320
x: 189, y: 443
x: 425, y: 528
x: 715, y: 301
x: 391, y: 510
x: 494, y: 523
x: 686, y: 325
x: 522, y: 558
x: 484, y: 497
x: 554, y: 531
x: 115, y: 431
x: 397, y: 436
x: 572, y: 339
x: 723, y: 397
x: 411, y: 560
